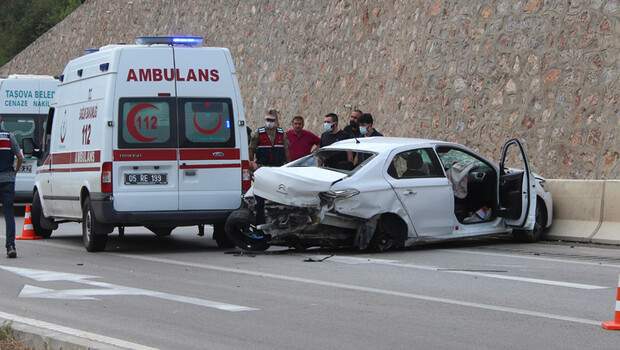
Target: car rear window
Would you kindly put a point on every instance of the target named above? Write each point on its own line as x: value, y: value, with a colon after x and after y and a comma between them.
x: 346, y: 161
x: 206, y: 122
x: 147, y: 123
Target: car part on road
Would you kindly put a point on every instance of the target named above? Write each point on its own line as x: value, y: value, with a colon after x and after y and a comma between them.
x: 94, y: 234
x: 241, y: 231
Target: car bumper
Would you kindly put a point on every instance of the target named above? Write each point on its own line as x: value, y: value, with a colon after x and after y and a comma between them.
x: 103, y: 208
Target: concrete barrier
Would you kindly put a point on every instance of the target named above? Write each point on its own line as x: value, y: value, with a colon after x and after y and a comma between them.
x: 609, y: 232
x: 577, y: 208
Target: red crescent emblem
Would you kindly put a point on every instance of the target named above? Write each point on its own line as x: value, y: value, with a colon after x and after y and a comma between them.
x: 208, y: 131
x: 131, y: 122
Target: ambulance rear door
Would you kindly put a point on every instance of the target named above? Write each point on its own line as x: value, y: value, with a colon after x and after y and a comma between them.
x: 145, y: 167
x: 210, y: 159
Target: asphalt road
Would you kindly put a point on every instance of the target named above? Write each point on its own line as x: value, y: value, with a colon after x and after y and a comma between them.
x: 182, y: 292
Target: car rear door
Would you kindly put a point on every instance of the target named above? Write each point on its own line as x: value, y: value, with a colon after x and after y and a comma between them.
x: 420, y: 184
x: 517, y: 195
x: 145, y: 167
x: 209, y: 150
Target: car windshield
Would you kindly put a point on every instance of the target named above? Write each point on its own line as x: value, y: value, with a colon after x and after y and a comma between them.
x: 345, y: 161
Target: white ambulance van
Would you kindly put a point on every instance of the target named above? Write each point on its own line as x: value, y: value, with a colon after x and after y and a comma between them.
x: 151, y: 134
x: 24, y: 104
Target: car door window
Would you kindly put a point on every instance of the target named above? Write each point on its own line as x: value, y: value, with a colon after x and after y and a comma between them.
x: 418, y: 163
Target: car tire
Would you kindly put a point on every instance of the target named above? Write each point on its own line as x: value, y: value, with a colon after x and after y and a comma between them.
x: 389, y: 235
x: 38, y: 217
x: 240, y: 231
x: 161, y: 231
x: 534, y: 235
x: 221, y: 238
x: 93, y: 234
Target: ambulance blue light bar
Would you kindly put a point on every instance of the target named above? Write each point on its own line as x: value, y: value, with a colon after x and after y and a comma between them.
x: 187, y: 40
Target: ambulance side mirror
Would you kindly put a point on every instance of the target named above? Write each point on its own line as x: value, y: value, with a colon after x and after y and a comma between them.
x: 28, y: 146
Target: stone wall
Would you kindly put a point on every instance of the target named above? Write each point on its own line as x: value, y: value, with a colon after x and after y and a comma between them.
x: 476, y: 72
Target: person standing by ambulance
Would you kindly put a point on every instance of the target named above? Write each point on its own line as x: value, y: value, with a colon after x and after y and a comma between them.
x: 269, y: 145
x: 9, y: 150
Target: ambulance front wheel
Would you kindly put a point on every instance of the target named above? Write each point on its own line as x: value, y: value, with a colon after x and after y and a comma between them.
x: 40, y: 223
x: 94, y: 235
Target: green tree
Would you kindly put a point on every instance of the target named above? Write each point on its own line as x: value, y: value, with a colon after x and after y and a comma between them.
x: 23, y: 21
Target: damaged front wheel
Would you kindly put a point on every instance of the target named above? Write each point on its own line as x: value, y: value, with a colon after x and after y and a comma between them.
x: 241, y: 231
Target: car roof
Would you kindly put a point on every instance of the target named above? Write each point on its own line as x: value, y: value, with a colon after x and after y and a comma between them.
x: 383, y: 144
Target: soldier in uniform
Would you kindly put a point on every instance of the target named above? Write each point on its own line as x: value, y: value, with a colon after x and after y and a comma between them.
x: 268, y: 147
x: 9, y: 150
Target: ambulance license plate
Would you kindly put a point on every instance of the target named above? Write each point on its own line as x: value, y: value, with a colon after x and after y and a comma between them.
x: 26, y: 168
x: 146, y: 179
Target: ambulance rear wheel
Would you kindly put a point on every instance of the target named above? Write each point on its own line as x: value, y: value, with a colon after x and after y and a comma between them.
x: 220, y: 237
x: 161, y: 231
x: 38, y: 218
x: 93, y: 234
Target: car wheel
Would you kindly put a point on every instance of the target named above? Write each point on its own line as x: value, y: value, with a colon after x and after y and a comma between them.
x: 241, y: 231
x: 391, y: 233
x: 534, y: 235
x: 220, y: 237
x: 92, y: 234
x: 161, y: 231
x: 38, y: 218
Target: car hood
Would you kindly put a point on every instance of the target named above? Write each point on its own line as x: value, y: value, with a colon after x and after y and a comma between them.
x: 295, y: 186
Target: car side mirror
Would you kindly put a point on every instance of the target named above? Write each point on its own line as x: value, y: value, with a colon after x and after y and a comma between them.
x: 28, y: 146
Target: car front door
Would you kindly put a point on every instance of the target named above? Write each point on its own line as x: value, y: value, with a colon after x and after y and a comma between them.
x: 517, y: 195
x: 422, y: 187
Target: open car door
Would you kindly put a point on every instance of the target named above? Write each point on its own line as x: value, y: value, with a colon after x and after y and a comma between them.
x: 517, y: 195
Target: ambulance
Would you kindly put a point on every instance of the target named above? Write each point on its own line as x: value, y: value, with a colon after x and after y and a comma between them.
x: 149, y: 134
x: 24, y: 104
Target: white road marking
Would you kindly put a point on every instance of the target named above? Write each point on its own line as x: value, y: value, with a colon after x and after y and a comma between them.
x: 364, y: 289
x: 395, y: 263
x: 74, y: 332
x: 104, y: 289
x: 539, y: 258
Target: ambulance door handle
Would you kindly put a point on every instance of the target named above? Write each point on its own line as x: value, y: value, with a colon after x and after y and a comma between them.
x: 218, y: 154
x: 190, y: 172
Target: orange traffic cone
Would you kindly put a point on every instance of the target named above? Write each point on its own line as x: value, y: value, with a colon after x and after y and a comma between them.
x: 614, y: 325
x: 28, y: 231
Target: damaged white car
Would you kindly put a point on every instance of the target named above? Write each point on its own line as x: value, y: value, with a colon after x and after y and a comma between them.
x: 382, y: 193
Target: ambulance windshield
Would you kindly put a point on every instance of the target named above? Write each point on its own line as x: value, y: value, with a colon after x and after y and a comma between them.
x: 25, y: 126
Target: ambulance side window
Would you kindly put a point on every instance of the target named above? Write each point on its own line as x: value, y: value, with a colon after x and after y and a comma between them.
x: 146, y: 123
x: 206, y: 122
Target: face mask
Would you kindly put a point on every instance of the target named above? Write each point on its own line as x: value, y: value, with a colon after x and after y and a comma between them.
x: 363, y: 130
x: 270, y: 125
x: 327, y: 126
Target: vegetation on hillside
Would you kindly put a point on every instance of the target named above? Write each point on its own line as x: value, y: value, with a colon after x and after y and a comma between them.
x: 23, y: 21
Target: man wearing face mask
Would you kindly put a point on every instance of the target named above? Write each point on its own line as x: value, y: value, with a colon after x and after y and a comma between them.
x: 269, y: 145
x: 366, y: 128
x: 331, y: 132
x: 353, y: 128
